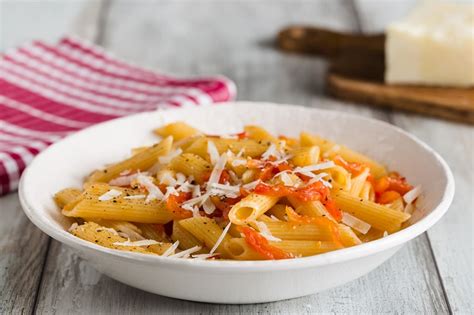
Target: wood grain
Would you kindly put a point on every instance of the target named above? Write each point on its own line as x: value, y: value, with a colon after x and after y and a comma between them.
x: 455, y: 104
x: 23, y: 250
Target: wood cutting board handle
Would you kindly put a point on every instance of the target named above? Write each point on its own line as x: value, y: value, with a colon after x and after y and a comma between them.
x: 319, y: 41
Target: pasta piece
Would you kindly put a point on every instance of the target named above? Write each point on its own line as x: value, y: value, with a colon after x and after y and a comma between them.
x: 141, y: 162
x: 65, y: 196
x: 340, y: 177
x: 330, y: 150
x: 300, y: 231
x: 378, y: 216
x: 259, y: 134
x: 207, y: 231
x: 153, y: 232
x: 305, y: 156
x: 239, y: 249
x: 250, y: 208
x: 279, y: 211
x: 191, y: 165
x: 123, y: 228
x: 178, y: 130
x: 306, y: 248
x: 357, y: 183
x: 367, y: 192
x: 250, y: 147
x: 100, y: 235
x: 348, y: 237
x: 119, y: 208
x: 185, y: 238
x: 310, y: 208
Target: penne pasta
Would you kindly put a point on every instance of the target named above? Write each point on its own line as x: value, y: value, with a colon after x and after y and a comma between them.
x: 306, y: 248
x: 305, y: 156
x: 206, y: 231
x: 139, y: 162
x: 178, y: 130
x: 191, y: 165
x: 66, y: 196
x: 247, y: 196
x: 250, y: 208
x: 378, y: 216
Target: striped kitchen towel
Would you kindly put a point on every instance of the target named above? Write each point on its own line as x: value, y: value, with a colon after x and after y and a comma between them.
x: 49, y: 91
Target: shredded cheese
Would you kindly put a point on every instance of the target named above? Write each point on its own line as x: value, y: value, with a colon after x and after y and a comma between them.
x: 186, y: 253
x: 355, y: 223
x: 315, y: 167
x: 123, y: 180
x: 73, y: 227
x: 153, y: 191
x: 213, y: 152
x: 171, y: 250
x: 111, y: 194
x: 411, y: 196
x: 221, y: 238
x: 217, y: 171
x: 265, y: 232
x: 251, y: 185
x: 203, y: 256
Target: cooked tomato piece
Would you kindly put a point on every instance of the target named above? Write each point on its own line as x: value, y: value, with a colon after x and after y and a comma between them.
x: 353, y: 167
x: 261, y: 245
x: 388, y: 196
x: 173, y: 204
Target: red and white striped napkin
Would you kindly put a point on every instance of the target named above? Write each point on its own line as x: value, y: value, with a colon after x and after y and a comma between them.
x: 50, y: 91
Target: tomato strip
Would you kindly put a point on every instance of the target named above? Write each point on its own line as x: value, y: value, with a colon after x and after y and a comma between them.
x: 261, y: 245
x: 173, y: 205
x: 321, y: 221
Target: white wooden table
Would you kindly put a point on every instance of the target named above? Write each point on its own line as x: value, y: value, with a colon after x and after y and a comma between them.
x: 432, y: 274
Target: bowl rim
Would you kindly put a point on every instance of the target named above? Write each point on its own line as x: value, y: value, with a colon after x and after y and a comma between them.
x: 338, y: 256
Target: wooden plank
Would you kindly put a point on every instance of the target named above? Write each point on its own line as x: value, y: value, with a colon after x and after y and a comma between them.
x: 231, y: 38
x: 23, y: 250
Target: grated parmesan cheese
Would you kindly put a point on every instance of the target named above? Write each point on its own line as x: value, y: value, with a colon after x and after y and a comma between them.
x: 153, y: 191
x: 265, y: 232
x: 213, y: 152
x: 355, y: 223
x: 204, y: 256
x: 186, y: 253
x: 123, y: 180
x: 171, y: 250
x: 411, y: 196
x: 111, y: 194
x: 73, y: 227
x: 217, y: 171
x: 137, y: 243
x: 221, y: 238
x: 251, y: 185
x: 315, y: 167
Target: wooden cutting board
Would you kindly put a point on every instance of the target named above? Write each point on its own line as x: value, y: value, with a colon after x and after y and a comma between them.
x: 356, y: 72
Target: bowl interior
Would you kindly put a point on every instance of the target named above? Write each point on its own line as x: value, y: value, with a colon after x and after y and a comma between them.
x: 66, y: 163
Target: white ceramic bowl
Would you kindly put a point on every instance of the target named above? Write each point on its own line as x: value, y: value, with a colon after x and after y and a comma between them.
x: 65, y: 164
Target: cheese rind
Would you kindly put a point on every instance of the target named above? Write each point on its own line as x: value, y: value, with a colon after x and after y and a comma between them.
x: 434, y: 45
